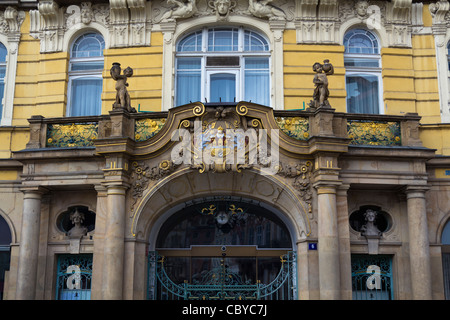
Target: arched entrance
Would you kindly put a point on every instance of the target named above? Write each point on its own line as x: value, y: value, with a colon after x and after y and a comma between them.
x: 223, y: 247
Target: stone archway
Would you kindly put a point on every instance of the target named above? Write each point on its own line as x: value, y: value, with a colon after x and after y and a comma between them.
x: 171, y: 193
x: 184, y: 187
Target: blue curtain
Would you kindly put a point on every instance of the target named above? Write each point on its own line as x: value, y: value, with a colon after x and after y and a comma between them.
x: 257, y: 86
x: 86, y: 97
x: 222, y: 87
x: 362, y: 94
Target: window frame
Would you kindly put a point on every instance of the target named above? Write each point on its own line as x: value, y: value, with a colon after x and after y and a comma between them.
x: 206, y: 70
x: 365, y: 70
x: 3, y: 80
x: 79, y: 74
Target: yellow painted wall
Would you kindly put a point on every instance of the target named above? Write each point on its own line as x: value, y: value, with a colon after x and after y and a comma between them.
x: 409, y: 82
x: 146, y: 83
x: 41, y: 81
x: 298, y: 73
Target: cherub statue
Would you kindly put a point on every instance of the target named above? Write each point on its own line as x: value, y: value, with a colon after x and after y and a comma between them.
x: 78, y: 230
x: 264, y: 9
x: 320, y: 80
x: 182, y: 10
x: 122, y: 95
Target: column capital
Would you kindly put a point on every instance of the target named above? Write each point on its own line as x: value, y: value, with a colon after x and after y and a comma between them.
x: 324, y: 187
x: 415, y: 191
x: 115, y: 188
x: 33, y: 190
x: 343, y: 189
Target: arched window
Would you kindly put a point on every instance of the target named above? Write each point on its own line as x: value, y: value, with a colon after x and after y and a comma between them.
x: 222, y: 65
x: 85, y: 75
x: 3, y: 55
x: 5, y: 242
x: 362, y: 63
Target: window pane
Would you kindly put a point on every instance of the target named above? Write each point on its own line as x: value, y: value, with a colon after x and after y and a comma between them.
x: 360, y: 41
x: 86, y: 97
x: 190, y: 227
x: 188, y: 87
x: 257, y: 63
x: 446, y: 234
x: 257, y: 86
x: 87, y: 65
x: 254, y: 42
x: 192, y: 42
x: 362, y: 94
x: 2, y: 93
x: 222, y: 40
x: 360, y: 62
x: 189, y: 63
x: 2, y: 72
x: 222, y: 87
x: 5, y: 233
x: 3, y: 53
x: 88, y: 45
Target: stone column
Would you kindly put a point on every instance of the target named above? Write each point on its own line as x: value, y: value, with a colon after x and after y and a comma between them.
x: 29, y: 244
x: 113, y: 260
x: 328, y: 247
x: 419, y: 247
x: 344, y: 242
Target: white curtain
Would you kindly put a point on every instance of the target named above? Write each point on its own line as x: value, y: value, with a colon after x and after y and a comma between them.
x: 257, y: 80
x: 86, y: 97
x: 362, y: 94
x: 222, y: 87
x: 188, y: 80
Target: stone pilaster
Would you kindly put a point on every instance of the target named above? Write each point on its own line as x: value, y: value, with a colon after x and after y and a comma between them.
x: 29, y: 244
x: 343, y: 225
x: 328, y: 247
x: 419, y: 247
x: 114, y: 245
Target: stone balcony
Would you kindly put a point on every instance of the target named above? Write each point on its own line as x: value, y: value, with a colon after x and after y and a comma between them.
x: 359, y: 129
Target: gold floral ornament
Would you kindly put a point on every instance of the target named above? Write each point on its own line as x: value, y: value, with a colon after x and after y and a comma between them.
x: 145, y: 129
x: 71, y: 135
x: 295, y: 127
x: 374, y: 133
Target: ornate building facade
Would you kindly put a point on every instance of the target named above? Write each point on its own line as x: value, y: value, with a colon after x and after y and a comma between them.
x: 224, y: 149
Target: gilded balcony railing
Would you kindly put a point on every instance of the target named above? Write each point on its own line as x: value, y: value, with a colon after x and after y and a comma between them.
x: 295, y: 127
x: 359, y: 129
x: 374, y: 132
x: 146, y: 128
x: 68, y: 135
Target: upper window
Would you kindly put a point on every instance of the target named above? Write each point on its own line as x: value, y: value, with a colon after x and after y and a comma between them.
x: 3, y: 55
x: 222, y: 65
x: 362, y: 63
x: 85, y: 75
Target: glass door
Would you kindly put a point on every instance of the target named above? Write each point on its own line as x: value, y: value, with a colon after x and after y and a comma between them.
x: 222, y: 86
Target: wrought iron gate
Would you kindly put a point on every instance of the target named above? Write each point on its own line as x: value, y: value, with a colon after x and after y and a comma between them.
x: 221, y: 283
x: 372, y: 277
x: 73, y: 279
